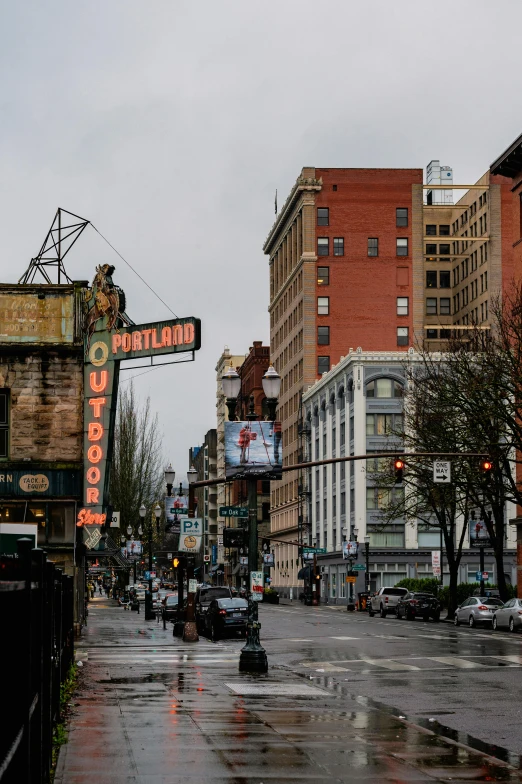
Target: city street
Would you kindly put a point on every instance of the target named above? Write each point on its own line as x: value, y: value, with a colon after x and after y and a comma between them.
x: 347, y: 698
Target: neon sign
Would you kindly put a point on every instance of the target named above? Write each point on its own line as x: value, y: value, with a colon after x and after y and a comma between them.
x: 108, y: 340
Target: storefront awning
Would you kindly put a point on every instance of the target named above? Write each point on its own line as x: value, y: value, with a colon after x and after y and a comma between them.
x: 305, y: 573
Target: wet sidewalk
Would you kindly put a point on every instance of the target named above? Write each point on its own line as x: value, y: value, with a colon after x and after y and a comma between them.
x: 153, y: 710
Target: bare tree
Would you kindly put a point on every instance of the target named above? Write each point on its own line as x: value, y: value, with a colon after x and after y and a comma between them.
x: 137, y: 464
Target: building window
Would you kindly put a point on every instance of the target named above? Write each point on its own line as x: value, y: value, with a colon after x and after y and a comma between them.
x: 401, y: 216
x: 383, y: 424
x: 323, y: 306
x: 445, y: 306
x: 431, y: 279
x: 431, y: 230
x: 402, y: 336
x: 431, y: 250
x: 4, y: 423
x: 402, y: 306
x: 323, y: 216
x: 323, y: 365
x: 323, y: 276
x: 338, y: 246
x: 444, y: 230
x: 373, y: 246
x: 383, y: 497
x: 402, y: 246
x: 444, y: 249
x: 343, y: 434
x: 431, y: 306
x: 432, y: 334
x: 323, y: 336
x: 323, y: 246
x: 343, y: 503
x: 384, y: 388
x: 444, y: 280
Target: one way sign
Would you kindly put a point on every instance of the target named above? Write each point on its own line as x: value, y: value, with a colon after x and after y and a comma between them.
x: 442, y: 471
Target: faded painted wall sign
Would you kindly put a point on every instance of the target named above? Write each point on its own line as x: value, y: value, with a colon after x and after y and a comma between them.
x: 27, y: 317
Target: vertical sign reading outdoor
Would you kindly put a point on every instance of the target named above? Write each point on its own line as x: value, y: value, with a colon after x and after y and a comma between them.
x: 109, y: 339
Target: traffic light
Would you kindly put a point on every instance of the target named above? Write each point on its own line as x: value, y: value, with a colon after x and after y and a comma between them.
x: 233, y: 537
x: 486, y: 466
x: 398, y: 465
x: 175, y: 563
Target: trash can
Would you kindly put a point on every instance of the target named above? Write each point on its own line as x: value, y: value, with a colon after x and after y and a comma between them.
x: 363, y: 599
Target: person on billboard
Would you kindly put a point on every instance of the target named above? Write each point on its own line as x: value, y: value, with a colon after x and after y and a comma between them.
x: 245, y: 437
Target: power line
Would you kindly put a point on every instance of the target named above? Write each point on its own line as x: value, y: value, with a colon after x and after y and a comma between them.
x: 135, y: 272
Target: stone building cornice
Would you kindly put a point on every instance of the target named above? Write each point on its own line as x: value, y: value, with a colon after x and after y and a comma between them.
x: 302, y: 186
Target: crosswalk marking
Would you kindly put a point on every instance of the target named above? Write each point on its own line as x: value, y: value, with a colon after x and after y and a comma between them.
x: 462, y: 664
x: 511, y: 658
x: 390, y: 664
x: 345, y: 638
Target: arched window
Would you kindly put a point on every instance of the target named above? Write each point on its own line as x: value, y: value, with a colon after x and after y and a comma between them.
x: 384, y: 387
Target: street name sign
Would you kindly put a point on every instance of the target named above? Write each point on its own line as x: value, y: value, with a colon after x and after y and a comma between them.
x: 317, y: 550
x: 233, y: 511
x: 442, y: 471
x: 358, y: 568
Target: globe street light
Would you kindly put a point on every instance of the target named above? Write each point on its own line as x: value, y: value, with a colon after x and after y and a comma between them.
x: 271, y: 388
x: 231, y: 383
x: 170, y: 476
x: 157, y: 512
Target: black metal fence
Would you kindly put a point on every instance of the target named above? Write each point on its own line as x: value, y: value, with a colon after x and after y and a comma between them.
x: 36, y: 651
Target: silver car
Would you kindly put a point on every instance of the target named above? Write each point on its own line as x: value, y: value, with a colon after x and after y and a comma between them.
x: 509, y: 615
x: 476, y: 610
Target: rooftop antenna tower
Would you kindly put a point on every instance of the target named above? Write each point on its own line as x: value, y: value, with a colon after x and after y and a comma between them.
x: 65, y: 230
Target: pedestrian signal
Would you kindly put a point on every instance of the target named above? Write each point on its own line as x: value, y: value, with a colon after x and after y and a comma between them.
x: 175, y: 563
x: 398, y: 465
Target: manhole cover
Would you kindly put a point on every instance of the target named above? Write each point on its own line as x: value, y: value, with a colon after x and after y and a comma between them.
x: 274, y: 690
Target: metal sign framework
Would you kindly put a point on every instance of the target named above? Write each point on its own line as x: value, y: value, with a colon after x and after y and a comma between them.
x: 58, y: 242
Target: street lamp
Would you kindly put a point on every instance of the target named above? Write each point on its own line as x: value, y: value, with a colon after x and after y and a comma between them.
x: 352, y: 553
x: 129, y: 530
x: 253, y: 655
x: 157, y: 512
x: 170, y: 476
x: 231, y: 383
x: 367, y: 555
x: 271, y: 388
x: 192, y: 475
x: 149, y: 614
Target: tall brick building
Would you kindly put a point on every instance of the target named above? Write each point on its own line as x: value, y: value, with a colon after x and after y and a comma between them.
x: 374, y: 258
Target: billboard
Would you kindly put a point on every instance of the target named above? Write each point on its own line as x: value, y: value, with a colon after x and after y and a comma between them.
x: 253, y: 450
x: 38, y: 316
x: 478, y: 534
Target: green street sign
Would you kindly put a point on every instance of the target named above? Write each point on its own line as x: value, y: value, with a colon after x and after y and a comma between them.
x: 359, y: 568
x: 317, y: 550
x: 233, y: 511
x: 180, y: 510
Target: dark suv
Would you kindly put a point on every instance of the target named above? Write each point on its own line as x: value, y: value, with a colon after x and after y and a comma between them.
x: 418, y: 605
x: 204, y: 596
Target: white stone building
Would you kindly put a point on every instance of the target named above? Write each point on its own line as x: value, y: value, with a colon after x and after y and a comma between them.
x: 352, y: 410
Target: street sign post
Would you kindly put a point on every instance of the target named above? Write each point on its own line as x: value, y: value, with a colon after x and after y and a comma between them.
x: 233, y: 511
x: 442, y: 471
x: 482, y: 576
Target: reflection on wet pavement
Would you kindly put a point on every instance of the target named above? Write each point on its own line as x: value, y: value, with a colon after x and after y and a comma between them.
x: 193, y: 718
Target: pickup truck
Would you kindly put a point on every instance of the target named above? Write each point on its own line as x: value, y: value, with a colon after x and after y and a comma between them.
x: 385, y: 601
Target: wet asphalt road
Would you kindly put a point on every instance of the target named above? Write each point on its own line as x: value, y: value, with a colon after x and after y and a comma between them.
x: 469, y: 680
x: 347, y: 699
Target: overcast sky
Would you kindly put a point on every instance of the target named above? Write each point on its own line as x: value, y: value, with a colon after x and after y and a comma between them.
x: 170, y: 124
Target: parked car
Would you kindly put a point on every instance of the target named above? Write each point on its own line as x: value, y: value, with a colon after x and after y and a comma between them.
x: 204, y: 596
x: 385, y: 601
x: 225, y: 616
x: 477, y: 610
x: 170, y: 607
x: 510, y: 615
x: 418, y: 605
